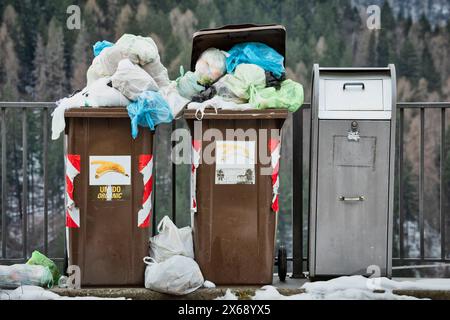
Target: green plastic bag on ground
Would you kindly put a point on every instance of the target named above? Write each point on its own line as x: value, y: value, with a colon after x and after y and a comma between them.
x: 289, y: 96
x: 39, y: 259
x: 246, y: 78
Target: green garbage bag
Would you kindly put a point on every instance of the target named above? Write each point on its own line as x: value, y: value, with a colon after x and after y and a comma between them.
x: 187, y: 84
x: 246, y: 78
x: 39, y: 259
x: 289, y: 96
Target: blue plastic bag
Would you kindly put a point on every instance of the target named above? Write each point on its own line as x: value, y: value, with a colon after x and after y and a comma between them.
x: 149, y: 110
x: 256, y: 53
x: 100, y: 45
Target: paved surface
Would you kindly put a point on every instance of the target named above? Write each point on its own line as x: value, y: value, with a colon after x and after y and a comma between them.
x: 290, y: 287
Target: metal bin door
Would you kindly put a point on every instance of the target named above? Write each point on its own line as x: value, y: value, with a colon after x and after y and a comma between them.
x: 352, y: 196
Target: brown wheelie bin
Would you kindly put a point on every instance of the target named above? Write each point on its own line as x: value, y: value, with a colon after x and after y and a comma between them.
x: 107, y: 207
x: 234, y: 214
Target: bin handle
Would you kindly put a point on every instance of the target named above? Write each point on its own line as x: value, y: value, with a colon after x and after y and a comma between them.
x: 358, y: 198
x: 354, y: 84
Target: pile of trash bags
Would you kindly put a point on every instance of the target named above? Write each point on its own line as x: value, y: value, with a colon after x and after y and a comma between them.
x: 250, y: 75
x: 171, y: 267
x: 129, y: 73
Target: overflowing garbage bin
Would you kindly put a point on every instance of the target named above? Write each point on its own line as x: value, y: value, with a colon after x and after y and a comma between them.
x: 352, y: 171
x: 108, y: 196
x: 234, y: 195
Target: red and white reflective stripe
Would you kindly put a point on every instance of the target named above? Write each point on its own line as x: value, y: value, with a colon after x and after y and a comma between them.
x: 275, y: 147
x: 195, y: 157
x: 146, y: 169
x: 72, y: 170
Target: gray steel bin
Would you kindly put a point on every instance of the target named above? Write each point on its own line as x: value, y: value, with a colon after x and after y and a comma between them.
x: 352, y: 171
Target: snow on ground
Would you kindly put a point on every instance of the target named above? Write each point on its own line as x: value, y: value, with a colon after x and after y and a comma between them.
x: 38, y: 293
x: 350, y: 288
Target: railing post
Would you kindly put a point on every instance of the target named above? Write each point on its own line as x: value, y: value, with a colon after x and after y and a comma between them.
x: 297, y: 194
x: 421, y: 183
x: 441, y: 186
x: 45, y: 172
x: 24, y: 182
x: 4, y: 183
x: 401, y: 185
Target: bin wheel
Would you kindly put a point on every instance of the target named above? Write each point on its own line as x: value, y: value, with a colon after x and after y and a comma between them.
x: 282, y: 263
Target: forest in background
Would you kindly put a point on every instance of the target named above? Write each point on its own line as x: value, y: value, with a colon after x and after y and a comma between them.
x: 42, y: 60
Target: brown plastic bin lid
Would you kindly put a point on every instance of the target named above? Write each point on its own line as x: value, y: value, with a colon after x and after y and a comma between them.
x: 224, y: 38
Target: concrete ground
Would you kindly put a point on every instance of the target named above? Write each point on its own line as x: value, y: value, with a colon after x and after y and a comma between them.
x: 289, y: 287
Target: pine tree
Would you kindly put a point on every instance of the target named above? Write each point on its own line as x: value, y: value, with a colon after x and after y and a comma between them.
x: 54, y: 54
x: 39, y: 71
x: 428, y: 71
x: 409, y: 63
x: 9, y: 66
x: 81, y: 57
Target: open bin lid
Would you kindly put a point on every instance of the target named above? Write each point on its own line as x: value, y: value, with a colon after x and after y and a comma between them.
x: 224, y: 38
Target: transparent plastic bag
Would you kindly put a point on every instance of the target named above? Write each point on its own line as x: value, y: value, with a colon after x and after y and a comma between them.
x: 158, y: 72
x: 131, y: 80
x: 174, y: 99
x: 171, y: 241
x: 18, y: 275
x: 177, y: 275
x: 210, y: 66
x: 149, y: 110
x: 255, y: 53
x: 246, y: 78
x: 289, y: 96
x: 39, y: 259
x: 187, y: 84
x: 140, y: 50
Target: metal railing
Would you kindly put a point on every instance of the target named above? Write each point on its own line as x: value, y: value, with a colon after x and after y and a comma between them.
x: 299, y: 241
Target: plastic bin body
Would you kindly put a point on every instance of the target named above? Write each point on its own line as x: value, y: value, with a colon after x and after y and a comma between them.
x: 108, y: 245
x: 234, y: 226
x: 352, y: 171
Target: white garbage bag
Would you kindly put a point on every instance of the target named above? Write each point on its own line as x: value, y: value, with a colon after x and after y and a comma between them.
x: 105, y: 64
x: 140, y: 50
x: 177, y: 275
x: 173, y: 98
x: 210, y: 66
x: 98, y: 94
x: 158, y: 72
x: 131, y: 80
x: 171, y: 241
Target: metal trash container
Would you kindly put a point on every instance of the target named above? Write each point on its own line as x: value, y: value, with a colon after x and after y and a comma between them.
x: 108, y: 196
x: 352, y: 171
x: 234, y: 222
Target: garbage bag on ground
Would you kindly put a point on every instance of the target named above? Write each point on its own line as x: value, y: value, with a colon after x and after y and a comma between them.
x: 158, y: 72
x: 98, y: 94
x: 171, y: 241
x: 290, y: 96
x: 174, y: 99
x: 246, y: 78
x: 255, y: 53
x: 105, y: 64
x: 100, y: 45
x: 140, y: 50
x: 39, y: 259
x: 149, y: 110
x: 187, y: 84
x: 18, y: 275
x: 210, y: 66
x: 131, y: 80
x: 177, y: 275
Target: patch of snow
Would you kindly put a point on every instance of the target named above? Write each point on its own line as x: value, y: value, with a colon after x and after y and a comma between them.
x: 208, y: 284
x: 38, y: 293
x: 228, y: 296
